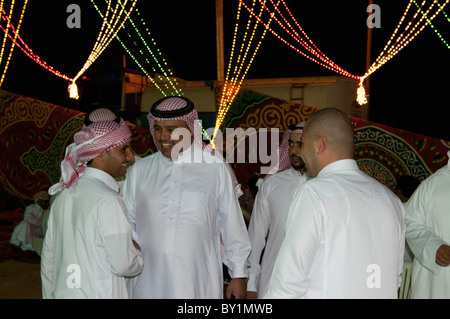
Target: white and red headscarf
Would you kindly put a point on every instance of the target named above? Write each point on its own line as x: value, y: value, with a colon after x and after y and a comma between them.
x: 101, y: 135
x: 180, y: 108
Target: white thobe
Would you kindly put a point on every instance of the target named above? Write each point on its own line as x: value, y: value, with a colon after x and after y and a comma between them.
x: 29, y: 228
x: 179, y: 210
x: 268, y: 220
x: 345, y: 237
x: 427, y: 228
x: 88, y: 247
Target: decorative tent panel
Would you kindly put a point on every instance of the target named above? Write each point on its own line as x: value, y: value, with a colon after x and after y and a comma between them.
x: 34, y: 136
x: 383, y: 152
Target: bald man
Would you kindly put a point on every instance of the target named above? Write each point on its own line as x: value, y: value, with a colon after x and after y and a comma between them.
x: 345, y: 231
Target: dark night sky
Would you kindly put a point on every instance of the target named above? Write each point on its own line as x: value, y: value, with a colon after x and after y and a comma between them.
x: 409, y: 92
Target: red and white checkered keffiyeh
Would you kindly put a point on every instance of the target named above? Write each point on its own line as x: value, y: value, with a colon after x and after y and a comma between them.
x: 283, y: 159
x: 191, y: 119
x: 102, y: 135
x: 172, y: 104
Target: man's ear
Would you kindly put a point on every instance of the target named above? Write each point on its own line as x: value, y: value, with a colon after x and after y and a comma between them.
x: 100, y: 157
x: 321, y: 144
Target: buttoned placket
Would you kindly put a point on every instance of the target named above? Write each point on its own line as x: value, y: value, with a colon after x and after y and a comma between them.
x: 174, y: 206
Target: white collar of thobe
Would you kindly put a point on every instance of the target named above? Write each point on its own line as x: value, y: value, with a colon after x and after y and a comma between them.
x: 103, y: 176
x: 345, y: 164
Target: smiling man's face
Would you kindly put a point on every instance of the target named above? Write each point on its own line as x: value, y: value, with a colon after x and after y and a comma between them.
x: 163, y: 135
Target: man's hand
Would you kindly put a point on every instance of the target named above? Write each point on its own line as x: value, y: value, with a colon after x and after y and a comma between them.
x: 443, y: 256
x: 252, y: 295
x: 237, y: 287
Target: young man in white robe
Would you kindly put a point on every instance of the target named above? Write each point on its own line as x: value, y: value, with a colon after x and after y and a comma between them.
x: 88, y: 249
x: 428, y: 236
x: 268, y: 219
x: 184, y: 209
x: 30, y: 228
x: 345, y: 232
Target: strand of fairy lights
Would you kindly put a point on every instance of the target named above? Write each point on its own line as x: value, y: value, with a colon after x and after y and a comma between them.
x: 432, y: 26
x: 103, y: 40
x: 361, y: 94
x: 36, y: 58
x: 134, y: 58
x: 401, y: 42
x: 387, y: 53
x: 6, y: 36
x: 231, y: 87
x: 443, y: 12
x: 92, y: 56
x: 20, y: 43
x: 131, y: 55
x: 173, y: 82
x: 308, y: 44
x: 170, y: 78
x: 311, y: 48
x: 391, y: 51
x: 315, y: 55
x: 7, y: 28
x: 221, y: 114
x: 239, y: 64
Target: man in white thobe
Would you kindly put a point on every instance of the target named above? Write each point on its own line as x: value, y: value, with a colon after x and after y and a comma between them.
x: 88, y: 249
x: 30, y: 228
x: 182, y: 204
x: 428, y: 236
x: 268, y: 219
x: 345, y: 231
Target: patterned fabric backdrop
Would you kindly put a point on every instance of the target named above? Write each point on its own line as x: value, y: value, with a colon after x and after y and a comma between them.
x: 33, y: 138
x: 34, y: 135
x: 383, y: 152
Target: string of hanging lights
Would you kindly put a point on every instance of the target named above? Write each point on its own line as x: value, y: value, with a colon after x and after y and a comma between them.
x: 20, y: 43
x: 114, y: 20
x: 431, y: 24
x: 162, y: 67
x: 399, y: 42
x: 13, y: 34
x: 162, y: 71
x: 311, y: 51
x: 2, y: 51
x: 108, y: 32
x: 316, y: 55
x: 234, y: 81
